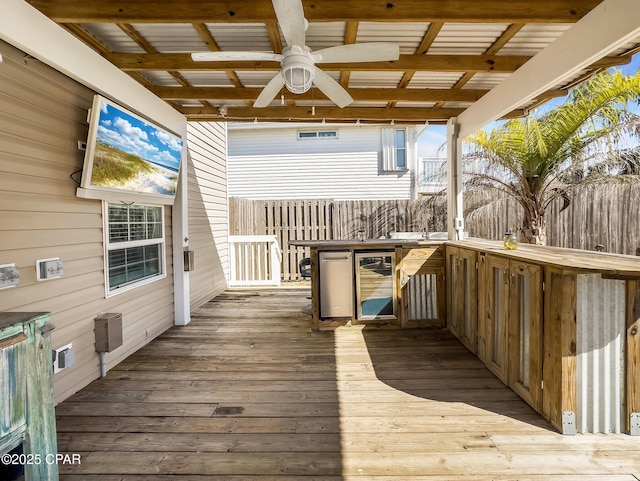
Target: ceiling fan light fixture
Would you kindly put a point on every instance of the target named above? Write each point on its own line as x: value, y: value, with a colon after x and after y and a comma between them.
x: 298, y: 69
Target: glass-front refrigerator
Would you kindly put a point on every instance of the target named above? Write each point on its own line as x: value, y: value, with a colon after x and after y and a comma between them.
x: 375, y: 288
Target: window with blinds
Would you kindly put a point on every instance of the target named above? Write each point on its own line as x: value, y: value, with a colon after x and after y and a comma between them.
x: 135, y: 245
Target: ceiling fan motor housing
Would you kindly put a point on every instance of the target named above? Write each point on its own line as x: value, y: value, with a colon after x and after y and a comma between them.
x: 297, y: 69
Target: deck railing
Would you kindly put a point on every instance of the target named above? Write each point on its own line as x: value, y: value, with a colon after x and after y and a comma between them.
x: 254, y: 260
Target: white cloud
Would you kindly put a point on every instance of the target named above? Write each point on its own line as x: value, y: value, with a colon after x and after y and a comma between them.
x: 128, y: 138
x: 129, y: 131
x: 169, y: 140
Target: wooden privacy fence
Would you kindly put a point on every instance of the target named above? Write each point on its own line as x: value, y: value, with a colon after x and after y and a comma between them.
x: 322, y: 219
x: 605, y: 215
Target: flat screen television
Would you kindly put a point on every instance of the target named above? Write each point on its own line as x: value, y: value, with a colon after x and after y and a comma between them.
x: 128, y: 158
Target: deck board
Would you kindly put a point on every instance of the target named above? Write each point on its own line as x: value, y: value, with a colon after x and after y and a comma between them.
x: 247, y: 392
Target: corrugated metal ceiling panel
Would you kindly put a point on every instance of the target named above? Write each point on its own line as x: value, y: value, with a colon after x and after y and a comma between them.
x: 113, y: 37
x: 486, y: 81
x: 375, y: 79
x: 171, y: 37
x: 211, y: 78
x: 407, y: 35
x: 258, y: 78
x: 466, y: 38
x: 323, y: 35
x: 533, y: 38
x: 434, y: 80
x: 163, y: 79
x: 241, y: 36
x: 192, y: 103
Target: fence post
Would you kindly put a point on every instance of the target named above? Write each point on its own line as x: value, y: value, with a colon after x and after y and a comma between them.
x: 276, y: 261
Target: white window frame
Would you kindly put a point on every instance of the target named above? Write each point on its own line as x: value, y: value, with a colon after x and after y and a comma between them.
x: 317, y: 135
x: 111, y: 246
x: 390, y: 149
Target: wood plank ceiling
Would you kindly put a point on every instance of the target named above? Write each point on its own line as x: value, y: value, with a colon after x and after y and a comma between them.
x: 452, y: 52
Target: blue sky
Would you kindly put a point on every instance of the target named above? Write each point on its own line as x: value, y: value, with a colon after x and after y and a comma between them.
x: 126, y: 132
x: 434, y: 136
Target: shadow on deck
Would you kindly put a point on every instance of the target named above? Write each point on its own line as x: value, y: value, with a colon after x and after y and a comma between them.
x: 247, y: 392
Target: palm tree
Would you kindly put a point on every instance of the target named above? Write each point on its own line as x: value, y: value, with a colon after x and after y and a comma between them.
x: 539, y: 158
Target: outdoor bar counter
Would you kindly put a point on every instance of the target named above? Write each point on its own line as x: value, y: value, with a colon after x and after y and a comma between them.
x: 561, y: 327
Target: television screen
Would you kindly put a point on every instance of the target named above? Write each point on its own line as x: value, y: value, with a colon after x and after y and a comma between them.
x: 128, y: 154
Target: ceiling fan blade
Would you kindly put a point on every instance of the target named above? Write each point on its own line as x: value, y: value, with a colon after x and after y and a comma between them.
x: 291, y: 20
x: 269, y: 92
x: 331, y: 88
x: 358, y: 52
x: 222, y: 56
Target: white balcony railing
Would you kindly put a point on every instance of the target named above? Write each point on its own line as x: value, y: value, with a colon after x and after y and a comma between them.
x: 432, y: 174
x: 254, y: 260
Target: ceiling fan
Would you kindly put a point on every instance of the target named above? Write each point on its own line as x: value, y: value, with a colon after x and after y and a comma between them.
x: 298, y: 71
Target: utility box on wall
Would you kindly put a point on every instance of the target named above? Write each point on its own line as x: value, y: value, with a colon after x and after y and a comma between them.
x: 108, y: 329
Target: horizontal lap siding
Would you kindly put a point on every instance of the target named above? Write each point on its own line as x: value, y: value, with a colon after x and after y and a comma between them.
x: 208, y: 219
x: 273, y: 164
x: 43, y: 115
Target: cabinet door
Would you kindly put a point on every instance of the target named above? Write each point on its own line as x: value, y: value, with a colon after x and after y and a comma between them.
x: 462, y: 287
x: 495, y: 290
x: 525, y: 332
x: 421, y: 287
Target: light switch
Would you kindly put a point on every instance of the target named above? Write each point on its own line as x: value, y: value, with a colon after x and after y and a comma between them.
x: 9, y: 276
x: 48, y: 268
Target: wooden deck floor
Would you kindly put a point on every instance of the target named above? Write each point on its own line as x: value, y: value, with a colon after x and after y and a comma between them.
x: 247, y: 392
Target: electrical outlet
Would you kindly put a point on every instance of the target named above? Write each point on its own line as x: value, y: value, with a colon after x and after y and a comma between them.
x: 49, y: 268
x: 9, y: 276
x: 62, y: 358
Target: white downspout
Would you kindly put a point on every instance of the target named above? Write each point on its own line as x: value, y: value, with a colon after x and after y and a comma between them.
x: 180, y: 226
x: 455, y: 212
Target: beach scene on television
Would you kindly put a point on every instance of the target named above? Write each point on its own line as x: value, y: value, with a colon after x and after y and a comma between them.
x: 134, y: 155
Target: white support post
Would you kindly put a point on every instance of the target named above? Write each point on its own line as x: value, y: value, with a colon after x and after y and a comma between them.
x: 455, y: 211
x: 180, y: 229
x: 276, y: 261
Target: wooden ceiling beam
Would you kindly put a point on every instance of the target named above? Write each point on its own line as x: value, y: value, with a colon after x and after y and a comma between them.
x: 212, y: 44
x: 288, y: 113
x: 427, y: 40
x: 358, y: 94
x: 274, y: 36
x: 350, y: 36
x: 433, y: 63
x: 261, y: 11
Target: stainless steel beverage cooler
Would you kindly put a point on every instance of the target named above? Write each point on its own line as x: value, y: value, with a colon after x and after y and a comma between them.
x: 336, y: 283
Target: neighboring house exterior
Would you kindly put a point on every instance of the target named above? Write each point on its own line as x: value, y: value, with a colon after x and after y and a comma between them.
x: 323, y: 161
x: 42, y: 119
